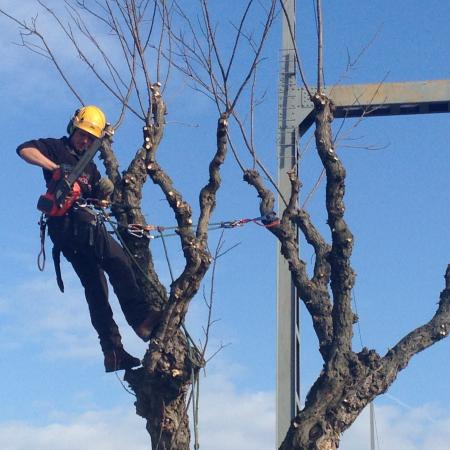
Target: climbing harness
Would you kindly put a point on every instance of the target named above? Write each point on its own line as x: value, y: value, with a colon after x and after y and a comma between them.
x: 56, y: 255
x: 88, y: 205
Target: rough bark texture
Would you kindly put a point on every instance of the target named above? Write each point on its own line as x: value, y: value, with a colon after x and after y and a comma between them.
x: 171, y: 361
x: 349, y: 380
x: 161, y: 393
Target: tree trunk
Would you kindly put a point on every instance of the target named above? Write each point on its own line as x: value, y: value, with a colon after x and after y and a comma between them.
x: 161, y: 393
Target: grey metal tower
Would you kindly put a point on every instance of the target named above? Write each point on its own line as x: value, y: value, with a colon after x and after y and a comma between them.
x: 295, y: 116
x: 288, y: 331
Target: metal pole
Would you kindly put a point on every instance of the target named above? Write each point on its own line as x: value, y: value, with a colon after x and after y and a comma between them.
x: 288, y: 336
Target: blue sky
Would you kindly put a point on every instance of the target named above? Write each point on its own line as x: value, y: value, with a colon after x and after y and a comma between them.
x: 54, y: 392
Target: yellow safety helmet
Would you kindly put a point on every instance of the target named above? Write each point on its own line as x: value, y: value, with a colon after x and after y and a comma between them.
x: 90, y: 119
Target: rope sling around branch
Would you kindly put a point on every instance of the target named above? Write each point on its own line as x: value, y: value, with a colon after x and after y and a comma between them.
x: 139, y: 230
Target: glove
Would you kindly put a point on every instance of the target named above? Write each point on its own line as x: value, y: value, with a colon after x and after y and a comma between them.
x: 61, y: 171
x: 104, y: 188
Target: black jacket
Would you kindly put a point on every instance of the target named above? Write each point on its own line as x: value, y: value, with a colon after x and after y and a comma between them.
x: 75, y: 228
x: 61, y: 152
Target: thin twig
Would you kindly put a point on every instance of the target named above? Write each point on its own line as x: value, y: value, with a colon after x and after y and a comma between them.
x: 319, y: 46
x: 297, y: 55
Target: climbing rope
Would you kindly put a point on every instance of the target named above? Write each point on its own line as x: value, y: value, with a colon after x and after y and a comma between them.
x: 104, y: 216
x: 139, y: 231
x: 166, y: 253
x: 195, y: 402
x: 41, y: 256
x: 193, y: 350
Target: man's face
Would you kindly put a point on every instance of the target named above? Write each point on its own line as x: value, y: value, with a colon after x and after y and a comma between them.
x: 81, y: 140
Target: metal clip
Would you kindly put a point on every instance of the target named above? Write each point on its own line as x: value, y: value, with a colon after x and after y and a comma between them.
x: 232, y: 223
x: 135, y: 230
x: 80, y: 203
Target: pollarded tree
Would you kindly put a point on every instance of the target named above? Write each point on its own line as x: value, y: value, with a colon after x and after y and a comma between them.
x: 349, y: 380
x: 154, y: 38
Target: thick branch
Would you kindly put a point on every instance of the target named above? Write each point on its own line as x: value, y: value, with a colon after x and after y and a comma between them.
x: 320, y: 246
x: 208, y: 193
x: 110, y: 162
x: 194, y: 247
x: 136, y: 174
x: 342, y: 275
x: 313, y: 293
x: 421, y: 338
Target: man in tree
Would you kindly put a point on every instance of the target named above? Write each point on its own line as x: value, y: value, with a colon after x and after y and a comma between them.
x: 84, y: 241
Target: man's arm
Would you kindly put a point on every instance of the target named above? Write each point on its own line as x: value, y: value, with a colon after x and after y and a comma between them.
x: 33, y: 156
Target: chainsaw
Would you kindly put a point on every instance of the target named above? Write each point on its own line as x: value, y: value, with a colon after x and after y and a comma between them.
x: 63, y: 190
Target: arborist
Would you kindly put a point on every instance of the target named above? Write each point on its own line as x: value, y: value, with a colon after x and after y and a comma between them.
x: 84, y: 241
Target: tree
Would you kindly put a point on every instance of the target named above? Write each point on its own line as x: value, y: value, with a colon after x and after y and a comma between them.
x: 159, y: 37
x: 153, y: 38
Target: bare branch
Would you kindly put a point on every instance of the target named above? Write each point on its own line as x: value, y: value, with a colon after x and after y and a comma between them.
x: 314, y: 188
x: 208, y: 193
x: 421, y: 338
x: 212, y: 42
x: 32, y: 30
x: 83, y: 56
x: 135, y: 32
x: 209, y: 322
x: 250, y: 147
x: 253, y: 65
x: 319, y: 46
x: 238, y: 37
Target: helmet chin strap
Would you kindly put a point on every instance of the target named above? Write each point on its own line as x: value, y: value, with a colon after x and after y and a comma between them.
x: 72, y: 146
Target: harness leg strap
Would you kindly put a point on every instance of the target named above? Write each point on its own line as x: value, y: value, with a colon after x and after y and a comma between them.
x: 56, y: 254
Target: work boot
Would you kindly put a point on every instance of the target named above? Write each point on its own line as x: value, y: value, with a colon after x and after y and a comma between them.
x: 119, y: 359
x: 145, y: 329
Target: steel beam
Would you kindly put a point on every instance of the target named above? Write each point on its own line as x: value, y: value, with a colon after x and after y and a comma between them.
x: 378, y: 99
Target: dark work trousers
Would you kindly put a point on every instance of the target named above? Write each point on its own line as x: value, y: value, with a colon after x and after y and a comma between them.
x: 92, y: 252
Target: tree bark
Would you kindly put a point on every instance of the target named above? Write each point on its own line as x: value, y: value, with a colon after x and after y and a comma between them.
x: 161, y: 395
x: 172, y: 360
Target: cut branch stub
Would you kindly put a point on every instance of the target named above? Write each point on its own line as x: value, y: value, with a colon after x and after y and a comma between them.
x: 207, y: 197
